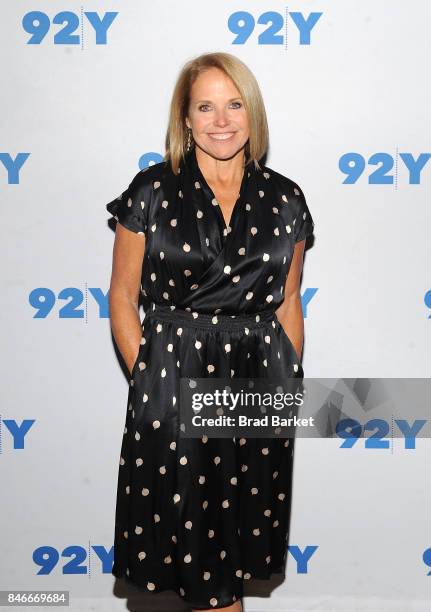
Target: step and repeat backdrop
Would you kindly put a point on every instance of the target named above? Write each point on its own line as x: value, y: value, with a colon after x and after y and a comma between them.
x: 85, y: 93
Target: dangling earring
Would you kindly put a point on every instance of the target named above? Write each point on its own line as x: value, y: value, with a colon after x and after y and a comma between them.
x: 189, y: 140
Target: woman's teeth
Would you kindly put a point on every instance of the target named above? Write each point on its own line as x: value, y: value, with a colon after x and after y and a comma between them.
x: 223, y: 136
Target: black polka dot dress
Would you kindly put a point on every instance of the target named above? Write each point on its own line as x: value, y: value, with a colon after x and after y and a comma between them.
x: 202, y: 515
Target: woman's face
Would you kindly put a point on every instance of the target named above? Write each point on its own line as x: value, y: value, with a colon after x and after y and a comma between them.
x: 217, y: 115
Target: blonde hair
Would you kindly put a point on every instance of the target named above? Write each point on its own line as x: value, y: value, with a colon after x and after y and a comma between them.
x: 244, y: 81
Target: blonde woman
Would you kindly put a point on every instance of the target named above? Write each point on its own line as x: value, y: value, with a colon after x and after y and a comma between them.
x: 213, y: 241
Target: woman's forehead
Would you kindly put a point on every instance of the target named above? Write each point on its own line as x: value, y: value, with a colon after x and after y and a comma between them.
x: 215, y: 83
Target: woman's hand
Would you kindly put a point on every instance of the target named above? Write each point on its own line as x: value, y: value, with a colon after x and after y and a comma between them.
x: 132, y: 363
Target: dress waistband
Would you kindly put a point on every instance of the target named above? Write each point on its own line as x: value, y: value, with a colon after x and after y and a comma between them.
x: 216, y: 321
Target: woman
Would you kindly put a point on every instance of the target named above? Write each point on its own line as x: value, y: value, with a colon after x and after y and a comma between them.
x: 215, y: 243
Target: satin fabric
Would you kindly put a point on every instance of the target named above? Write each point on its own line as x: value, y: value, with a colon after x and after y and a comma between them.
x: 201, y: 516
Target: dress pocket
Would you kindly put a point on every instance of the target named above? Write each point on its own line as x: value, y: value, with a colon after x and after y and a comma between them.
x: 132, y: 374
x: 289, y: 341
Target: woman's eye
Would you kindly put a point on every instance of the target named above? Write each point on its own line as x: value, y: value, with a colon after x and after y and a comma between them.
x: 203, y: 107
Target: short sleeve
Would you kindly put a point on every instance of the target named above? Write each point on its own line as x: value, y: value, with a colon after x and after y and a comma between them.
x: 131, y: 207
x: 303, y: 221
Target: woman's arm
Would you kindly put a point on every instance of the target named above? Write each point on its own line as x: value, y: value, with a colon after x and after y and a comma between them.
x: 124, y: 290
x: 289, y: 313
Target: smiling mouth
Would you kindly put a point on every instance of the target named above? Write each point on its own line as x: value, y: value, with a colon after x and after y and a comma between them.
x: 221, y: 135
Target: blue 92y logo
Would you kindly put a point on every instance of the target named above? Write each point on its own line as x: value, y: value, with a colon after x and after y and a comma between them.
x: 353, y: 165
x: 48, y: 557
x: 427, y: 301
x: 17, y: 432
x: 350, y: 430
x: 243, y: 24
x: 38, y: 24
x: 73, y: 302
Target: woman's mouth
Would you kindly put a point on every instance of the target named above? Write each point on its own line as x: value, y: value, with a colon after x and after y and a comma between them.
x: 221, y: 135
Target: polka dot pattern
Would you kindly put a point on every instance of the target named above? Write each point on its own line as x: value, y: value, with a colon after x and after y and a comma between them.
x: 202, y: 515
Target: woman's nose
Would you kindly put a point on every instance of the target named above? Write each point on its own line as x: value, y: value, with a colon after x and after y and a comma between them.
x: 221, y: 118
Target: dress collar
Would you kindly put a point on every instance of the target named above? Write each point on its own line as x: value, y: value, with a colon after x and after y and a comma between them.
x: 193, y: 176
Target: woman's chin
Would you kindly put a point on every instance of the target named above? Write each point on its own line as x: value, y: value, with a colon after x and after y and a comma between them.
x: 223, y: 149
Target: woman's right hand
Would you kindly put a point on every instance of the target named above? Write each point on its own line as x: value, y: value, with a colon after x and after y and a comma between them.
x: 131, y: 367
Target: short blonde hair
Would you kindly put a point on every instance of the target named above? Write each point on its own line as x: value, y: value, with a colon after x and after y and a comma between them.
x: 244, y: 81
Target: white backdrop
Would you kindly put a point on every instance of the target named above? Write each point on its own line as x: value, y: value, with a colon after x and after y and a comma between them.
x: 78, y: 114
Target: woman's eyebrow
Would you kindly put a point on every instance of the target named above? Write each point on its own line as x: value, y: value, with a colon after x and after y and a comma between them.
x: 209, y: 101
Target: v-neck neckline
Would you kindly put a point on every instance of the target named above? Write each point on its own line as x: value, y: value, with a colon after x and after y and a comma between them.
x: 238, y: 201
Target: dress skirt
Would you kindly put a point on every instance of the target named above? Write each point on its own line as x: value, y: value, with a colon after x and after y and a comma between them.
x: 200, y: 516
